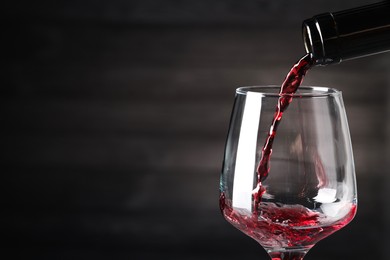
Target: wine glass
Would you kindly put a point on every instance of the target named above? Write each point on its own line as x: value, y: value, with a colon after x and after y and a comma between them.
x: 309, y: 190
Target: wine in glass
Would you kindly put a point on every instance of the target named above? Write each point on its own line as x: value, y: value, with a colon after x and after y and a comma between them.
x: 300, y: 188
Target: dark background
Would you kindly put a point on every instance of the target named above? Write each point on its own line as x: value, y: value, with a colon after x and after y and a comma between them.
x: 114, y: 116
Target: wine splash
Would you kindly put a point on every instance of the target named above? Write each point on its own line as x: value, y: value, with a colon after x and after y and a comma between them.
x: 288, y: 226
x: 290, y: 85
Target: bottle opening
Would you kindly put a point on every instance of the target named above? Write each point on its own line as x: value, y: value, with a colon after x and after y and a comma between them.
x: 320, y: 39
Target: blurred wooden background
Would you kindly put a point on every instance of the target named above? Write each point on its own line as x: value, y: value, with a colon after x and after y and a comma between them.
x: 114, y: 116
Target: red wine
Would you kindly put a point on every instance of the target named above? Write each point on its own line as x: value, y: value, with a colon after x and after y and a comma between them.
x: 290, y: 85
x: 287, y: 226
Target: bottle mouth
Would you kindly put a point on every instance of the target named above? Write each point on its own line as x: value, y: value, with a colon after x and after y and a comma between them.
x: 313, y: 40
x: 320, y: 39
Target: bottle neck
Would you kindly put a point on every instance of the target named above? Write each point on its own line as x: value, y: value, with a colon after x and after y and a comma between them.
x: 349, y: 34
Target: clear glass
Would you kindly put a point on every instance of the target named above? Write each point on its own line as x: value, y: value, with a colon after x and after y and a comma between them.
x: 310, y: 191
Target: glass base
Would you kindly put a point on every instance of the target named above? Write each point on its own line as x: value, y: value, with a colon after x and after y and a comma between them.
x: 294, y: 254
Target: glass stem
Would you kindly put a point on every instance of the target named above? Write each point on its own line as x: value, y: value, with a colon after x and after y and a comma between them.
x: 294, y: 255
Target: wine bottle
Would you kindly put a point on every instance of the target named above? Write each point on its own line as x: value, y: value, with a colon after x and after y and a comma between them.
x: 353, y: 33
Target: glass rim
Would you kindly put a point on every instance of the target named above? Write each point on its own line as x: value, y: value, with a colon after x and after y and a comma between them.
x: 303, y: 91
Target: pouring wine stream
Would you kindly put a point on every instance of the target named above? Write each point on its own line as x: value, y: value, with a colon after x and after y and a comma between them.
x: 290, y: 85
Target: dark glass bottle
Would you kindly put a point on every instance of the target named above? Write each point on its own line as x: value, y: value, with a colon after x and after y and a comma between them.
x: 348, y: 34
